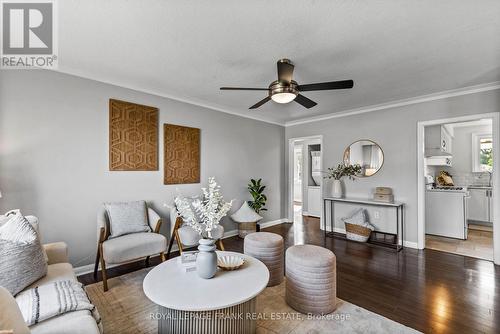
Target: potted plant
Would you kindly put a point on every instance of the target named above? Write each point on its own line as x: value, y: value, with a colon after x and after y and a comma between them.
x: 336, y: 174
x: 210, y: 209
x: 259, y: 199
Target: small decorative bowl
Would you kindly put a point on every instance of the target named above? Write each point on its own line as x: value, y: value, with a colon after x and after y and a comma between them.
x: 230, y: 262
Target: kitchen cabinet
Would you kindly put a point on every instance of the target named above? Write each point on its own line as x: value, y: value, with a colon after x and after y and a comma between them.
x: 479, y: 205
x: 438, y: 141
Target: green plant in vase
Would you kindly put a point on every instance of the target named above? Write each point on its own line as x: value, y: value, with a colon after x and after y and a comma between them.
x: 342, y: 170
x: 256, y: 189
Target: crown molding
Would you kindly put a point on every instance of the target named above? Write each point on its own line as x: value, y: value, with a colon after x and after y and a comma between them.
x: 187, y: 100
x: 399, y: 103
x: 345, y: 113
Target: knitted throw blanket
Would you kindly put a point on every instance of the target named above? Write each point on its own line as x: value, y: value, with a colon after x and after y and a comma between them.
x: 46, y: 301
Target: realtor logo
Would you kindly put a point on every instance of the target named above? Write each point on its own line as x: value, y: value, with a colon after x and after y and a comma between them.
x: 28, y: 34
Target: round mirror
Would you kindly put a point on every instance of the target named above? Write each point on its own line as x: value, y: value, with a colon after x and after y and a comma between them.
x: 367, y: 154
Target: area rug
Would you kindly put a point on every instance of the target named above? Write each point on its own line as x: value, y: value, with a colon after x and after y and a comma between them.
x: 125, y: 309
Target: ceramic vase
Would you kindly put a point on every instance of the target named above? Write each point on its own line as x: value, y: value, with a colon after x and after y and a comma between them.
x: 206, y: 260
x: 337, y: 189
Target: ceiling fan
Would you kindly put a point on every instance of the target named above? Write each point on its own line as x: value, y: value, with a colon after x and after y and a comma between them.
x: 285, y: 90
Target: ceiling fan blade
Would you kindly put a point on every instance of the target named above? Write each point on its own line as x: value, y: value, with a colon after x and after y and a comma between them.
x: 285, y: 70
x: 304, y: 101
x: 261, y: 102
x: 343, y: 84
x: 242, y: 88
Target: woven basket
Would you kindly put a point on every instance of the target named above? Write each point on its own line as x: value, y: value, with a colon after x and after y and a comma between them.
x: 246, y: 228
x: 357, y: 232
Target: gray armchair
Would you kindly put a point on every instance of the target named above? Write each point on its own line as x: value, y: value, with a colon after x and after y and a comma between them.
x: 127, y: 247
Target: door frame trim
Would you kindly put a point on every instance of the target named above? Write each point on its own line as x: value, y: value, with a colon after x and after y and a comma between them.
x: 291, y: 144
x: 495, y: 178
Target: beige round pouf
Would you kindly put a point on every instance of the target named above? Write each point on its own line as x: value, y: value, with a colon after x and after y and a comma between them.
x: 268, y: 248
x: 311, y: 285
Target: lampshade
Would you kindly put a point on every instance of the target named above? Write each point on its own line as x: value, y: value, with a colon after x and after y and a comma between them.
x: 246, y: 214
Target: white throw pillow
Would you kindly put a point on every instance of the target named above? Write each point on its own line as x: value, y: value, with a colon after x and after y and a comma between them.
x: 31, y: 219
x: 127, y: 217
x: 22, y: 260
x: 359, y: 218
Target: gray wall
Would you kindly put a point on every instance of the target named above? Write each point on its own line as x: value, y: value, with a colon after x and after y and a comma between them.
x: 54, y: 155
x: 395, y: 130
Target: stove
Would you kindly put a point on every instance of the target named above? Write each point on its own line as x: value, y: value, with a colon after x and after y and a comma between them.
x: 448, y: 189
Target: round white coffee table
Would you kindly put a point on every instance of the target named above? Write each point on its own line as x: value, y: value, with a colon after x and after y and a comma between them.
x: 190, y: 304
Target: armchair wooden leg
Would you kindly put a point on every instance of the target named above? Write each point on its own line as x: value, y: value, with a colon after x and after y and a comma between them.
x: 96, y: 267
x: 175, y: 235
x: 162, y: 257
x: 170, y: 244
x: 103, y: 271
x: 220, y: 244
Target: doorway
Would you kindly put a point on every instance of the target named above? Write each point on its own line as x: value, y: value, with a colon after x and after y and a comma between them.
x: 305, y: 178
x: 457, y: 185
x: 298, y: 171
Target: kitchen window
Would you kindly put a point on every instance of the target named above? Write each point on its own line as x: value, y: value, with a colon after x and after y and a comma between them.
x: 482, y: 153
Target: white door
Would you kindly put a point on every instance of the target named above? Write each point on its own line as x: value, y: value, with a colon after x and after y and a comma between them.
x: 478, y: 205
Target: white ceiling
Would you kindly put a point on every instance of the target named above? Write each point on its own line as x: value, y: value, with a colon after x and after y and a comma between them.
x: 187, y: 49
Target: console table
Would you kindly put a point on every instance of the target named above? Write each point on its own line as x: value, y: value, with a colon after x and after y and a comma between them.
x: 189, y: 304
x: 398, y: 208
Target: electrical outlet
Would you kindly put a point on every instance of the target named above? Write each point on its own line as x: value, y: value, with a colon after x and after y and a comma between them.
x: 376, y: 215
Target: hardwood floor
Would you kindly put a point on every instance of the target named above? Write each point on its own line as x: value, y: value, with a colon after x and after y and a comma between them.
x: 431, y: 291
x: 479, y: 244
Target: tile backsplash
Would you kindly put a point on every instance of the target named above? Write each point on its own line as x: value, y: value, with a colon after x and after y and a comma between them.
x: 462, y: 178
x: 467, y: 179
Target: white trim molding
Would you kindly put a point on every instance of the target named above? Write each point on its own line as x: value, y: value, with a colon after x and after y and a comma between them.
x: 272, y: 223
x: 188, y: 100
x: 289, y: 177
x: 495, y: 116
x: 400, y: 103
x: 342, y: 113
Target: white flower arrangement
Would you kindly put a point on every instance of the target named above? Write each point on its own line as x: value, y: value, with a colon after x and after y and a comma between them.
x: 210, y: 209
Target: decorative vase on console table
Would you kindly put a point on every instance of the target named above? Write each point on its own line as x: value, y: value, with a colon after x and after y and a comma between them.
x: 206, y: 260
x: 337, y: 189
x: 336, y: 174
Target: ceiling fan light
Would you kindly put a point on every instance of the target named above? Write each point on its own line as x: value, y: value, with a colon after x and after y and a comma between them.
x: 284, y: 97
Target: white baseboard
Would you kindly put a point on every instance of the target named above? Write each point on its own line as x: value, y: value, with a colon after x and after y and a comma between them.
x: 411, y: 244
x: 273, y: 222
x: 85, y: 269
x: 88, y: 268
x: 229, y: 234
x: 306, y: 213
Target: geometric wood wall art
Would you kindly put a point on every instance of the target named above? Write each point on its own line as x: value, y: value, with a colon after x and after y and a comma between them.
x: 182, y: 154
x: 133, y: 136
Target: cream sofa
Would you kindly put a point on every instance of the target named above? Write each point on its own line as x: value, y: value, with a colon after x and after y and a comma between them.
x: 78, y: 322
